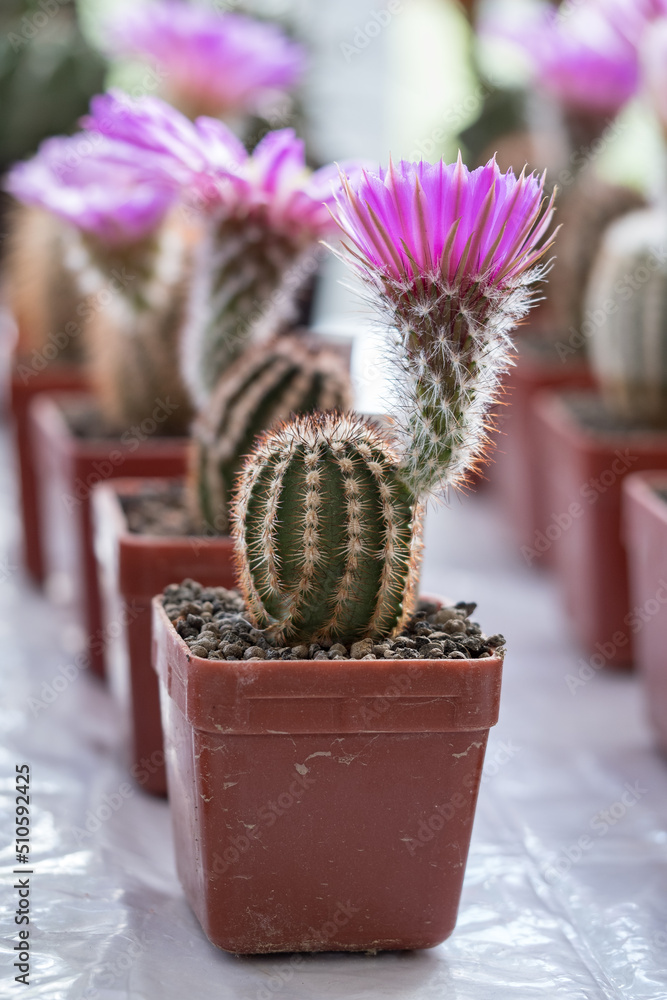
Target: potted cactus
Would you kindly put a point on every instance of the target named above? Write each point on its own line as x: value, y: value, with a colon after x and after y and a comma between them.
x: 263, y: 215
x: 299, y: 789
x: 46, y: 308
x: 585, y: 67
x: 645, y: 535
x: 149, y: 532
x: 593, y: 440
x: 127, y: 251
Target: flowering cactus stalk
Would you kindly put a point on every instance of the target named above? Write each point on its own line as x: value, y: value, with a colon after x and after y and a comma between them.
x: 263, y: 214
x: 128, y: 258
x: 327, y: 532
x: 327, y: 514
x: 628, y: 302
x: 259, y: 390
x: 449, y: 257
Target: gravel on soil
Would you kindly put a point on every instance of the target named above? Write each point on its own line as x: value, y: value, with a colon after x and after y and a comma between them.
x: 213, y: 623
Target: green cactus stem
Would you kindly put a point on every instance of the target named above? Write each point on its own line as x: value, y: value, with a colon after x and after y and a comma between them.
x: 135, y: 316
x: 246, y: 279
x: 328, y: 535
x: 627, y: 309
x: 262, y: 388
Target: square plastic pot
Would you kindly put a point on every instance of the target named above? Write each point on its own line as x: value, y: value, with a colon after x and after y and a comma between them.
x: 645, y: 529
x: 326, y: 805
x: 132, y: 568
x: 67, y: 468
x: 585, y: 480
x: 25, y: 384
x: 516, y: 469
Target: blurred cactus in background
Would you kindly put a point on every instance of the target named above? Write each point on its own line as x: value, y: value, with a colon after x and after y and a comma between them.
x: 40, y: 290
x: 262, y: 217
x: 129, y: 260
x: 262, y: 388
x: 627, y: 307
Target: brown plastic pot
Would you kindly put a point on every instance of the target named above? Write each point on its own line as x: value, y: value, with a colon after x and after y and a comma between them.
x: 585, y: 473
x: 25, y: 384
x: 327, y: 805
x: 645, y: 530
x: 516, y: 470
x: 132, y: 568
x: 67, y: 469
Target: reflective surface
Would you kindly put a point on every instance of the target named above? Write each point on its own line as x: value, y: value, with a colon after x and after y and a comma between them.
x: 566, y: 887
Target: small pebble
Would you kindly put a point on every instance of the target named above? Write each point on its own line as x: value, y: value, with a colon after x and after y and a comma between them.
x: 361, y: 649
x: 457, y: 655
x: 254, y: 653
x: 301, y: 652
x: 199, y: 650
x: 338, y: 648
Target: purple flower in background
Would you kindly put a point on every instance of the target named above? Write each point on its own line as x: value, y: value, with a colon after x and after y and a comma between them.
x: 274, y: 185
x: 449, y: 256
x: 91, y: 184
x: 212, y: 168
x: 584, y: 59
x: 632, y: 17
x: 215, y: 64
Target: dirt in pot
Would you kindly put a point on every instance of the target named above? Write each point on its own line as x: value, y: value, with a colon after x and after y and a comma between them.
x: 593, y: 414
x: 212, y: 621
x: 161, y: 512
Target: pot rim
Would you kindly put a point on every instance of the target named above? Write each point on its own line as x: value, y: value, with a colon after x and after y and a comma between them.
x: 332, y: 696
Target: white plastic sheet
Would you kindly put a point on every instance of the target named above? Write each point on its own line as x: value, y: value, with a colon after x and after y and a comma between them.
x: 559, y: 902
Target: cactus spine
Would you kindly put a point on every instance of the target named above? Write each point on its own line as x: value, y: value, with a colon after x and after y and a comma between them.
x: 262, y: 388
x: 627, y: 304
x: 246, y: 278
x: 328, y: 534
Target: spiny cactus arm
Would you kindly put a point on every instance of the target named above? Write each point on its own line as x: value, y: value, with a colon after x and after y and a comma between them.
x: 328, y: 542
x: 260, y: 389
x: 237, y: 297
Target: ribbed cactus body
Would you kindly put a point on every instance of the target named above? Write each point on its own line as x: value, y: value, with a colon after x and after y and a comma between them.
x: 262, y: 388
x: 586, y: 209
x: 135, y: 319
x: 42, y: 292
x: 239, y: 293
x: 328, y: 534
x: 627, y: 307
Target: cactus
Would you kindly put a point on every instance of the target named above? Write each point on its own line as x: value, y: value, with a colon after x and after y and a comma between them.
x: 627, y: 307
x: 42, y: 293
x: 262, y: 388
x: 327, y: 515
x: 328, y: 535
x: 587, y: 208
x: 134, y: 320
x: 240, y: 292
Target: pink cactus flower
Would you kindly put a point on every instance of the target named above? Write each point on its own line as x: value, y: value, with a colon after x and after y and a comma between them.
x: 449, y: 256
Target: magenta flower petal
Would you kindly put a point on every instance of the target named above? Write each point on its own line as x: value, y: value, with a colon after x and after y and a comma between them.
x: 449, y: 256
x: 94, y: 187
x: 224, y: 63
